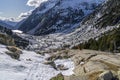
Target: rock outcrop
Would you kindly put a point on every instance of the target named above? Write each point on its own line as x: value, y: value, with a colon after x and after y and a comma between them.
x: 14, y: 52
x: 97, y: 65
x: 94, y: 65
x: 7, y: 37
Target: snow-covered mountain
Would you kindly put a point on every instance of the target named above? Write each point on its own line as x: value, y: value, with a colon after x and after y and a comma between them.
x: 9, y: 23
x: 103, y: 19
x: 72, y: 28
x: 12, y: 23
x: 56, y: 16
x: 6, y: 24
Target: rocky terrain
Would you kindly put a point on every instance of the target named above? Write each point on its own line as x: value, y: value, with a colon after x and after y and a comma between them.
x: 68, y: 64
x: 92, y: 65
x: 56, y: 39
x: 18, y: 64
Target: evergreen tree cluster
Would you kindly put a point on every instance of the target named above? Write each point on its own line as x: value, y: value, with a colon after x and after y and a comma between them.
x: 109, y: 41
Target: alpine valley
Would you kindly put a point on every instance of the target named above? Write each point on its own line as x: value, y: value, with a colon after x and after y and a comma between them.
x: 63, y: 40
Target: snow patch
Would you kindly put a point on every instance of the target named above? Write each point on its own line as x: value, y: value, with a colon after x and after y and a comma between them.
x: 17, y: 31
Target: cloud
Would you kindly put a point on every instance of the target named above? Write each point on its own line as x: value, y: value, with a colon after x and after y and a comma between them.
x: 19, y: 18
x: 8, y: 19
x: 2, y: 18
x: 24, y: 15
x: 35, y: 3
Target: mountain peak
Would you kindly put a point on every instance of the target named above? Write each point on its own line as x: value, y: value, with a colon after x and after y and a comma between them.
x: 61, y: 14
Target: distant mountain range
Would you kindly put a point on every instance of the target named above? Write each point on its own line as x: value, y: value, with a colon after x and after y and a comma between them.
x: 8, y: 24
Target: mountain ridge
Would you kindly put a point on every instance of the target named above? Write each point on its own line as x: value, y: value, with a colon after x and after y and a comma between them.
x: 63, y: 16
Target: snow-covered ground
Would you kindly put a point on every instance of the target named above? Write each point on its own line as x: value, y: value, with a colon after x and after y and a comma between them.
x: 29, y: 67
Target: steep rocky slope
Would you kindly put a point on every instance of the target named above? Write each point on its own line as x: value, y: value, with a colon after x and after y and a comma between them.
x: 109, y: 41
x: 56, y: 16
x: 104, y: 19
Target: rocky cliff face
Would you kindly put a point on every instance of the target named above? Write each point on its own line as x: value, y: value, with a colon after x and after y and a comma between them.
x: 56, y: 16
x: 104, y: 19
x: 107, y: 14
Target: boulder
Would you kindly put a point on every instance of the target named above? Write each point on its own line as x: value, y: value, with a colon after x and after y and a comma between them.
x: 13, y: 52
x: 79, y: 71
x: 107, y: 75
x: 111, y: 59
x: 41, y: 53
x: 51, y: 63
x: 14, y: 49
x: 61, y: 67
x: 119, y: 75
x: 6, y: 39
x: 52, y: 57
x: 94, y: 66
x: 13, y: 55
x: 77, y: 60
